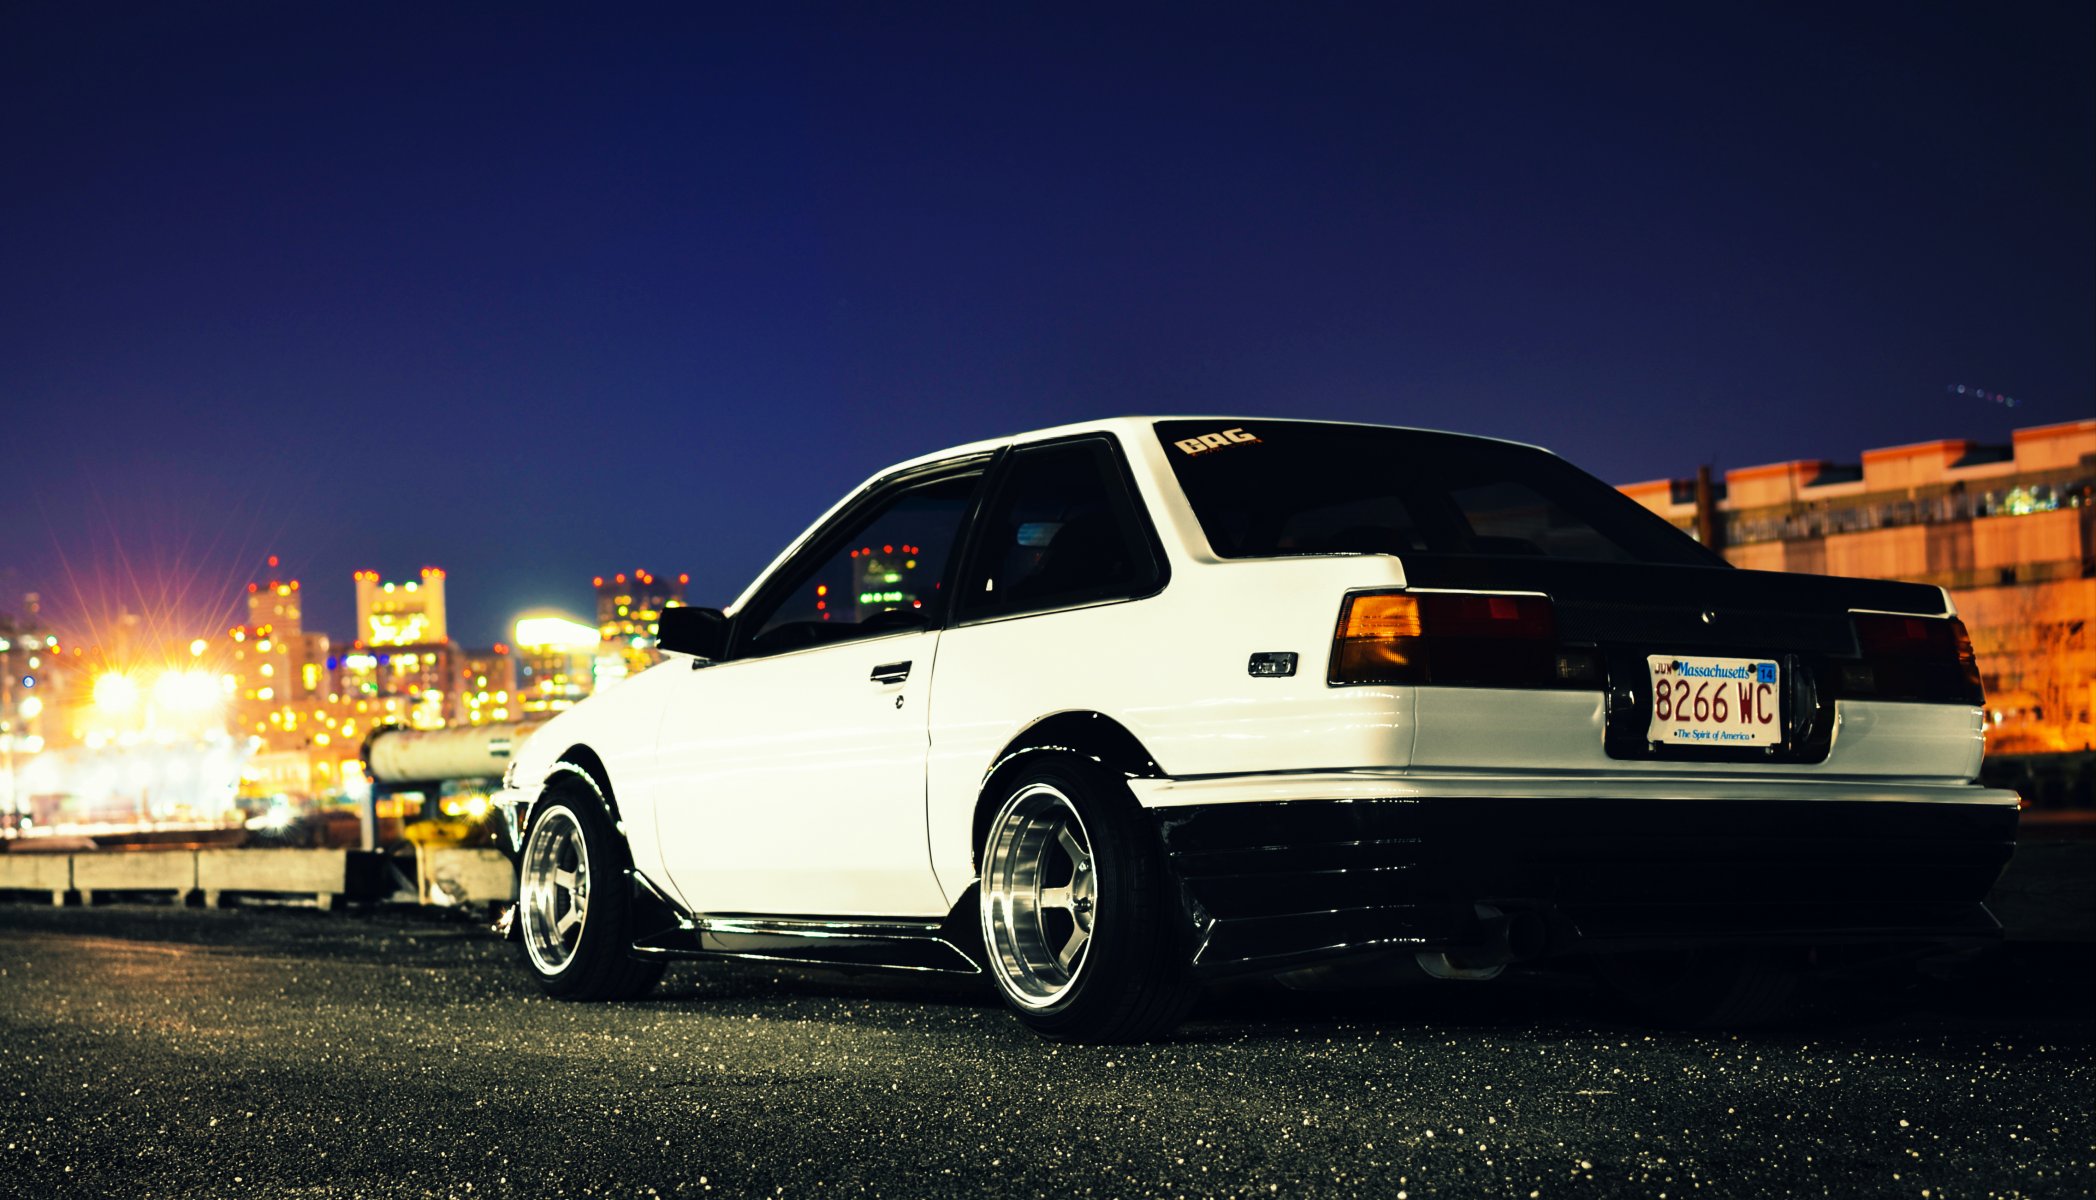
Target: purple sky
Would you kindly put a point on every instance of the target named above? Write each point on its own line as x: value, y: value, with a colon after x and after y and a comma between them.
x: 532, y: 294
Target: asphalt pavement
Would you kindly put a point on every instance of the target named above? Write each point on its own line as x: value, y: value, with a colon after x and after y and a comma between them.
x: 262, y: 1052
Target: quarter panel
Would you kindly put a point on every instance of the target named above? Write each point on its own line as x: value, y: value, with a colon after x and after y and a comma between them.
x: 1172, y: 669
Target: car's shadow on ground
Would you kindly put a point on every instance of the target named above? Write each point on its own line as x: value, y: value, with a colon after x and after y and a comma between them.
x: 2051, y: 983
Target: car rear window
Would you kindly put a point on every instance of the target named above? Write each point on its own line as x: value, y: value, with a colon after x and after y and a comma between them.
x: 1264, y: 489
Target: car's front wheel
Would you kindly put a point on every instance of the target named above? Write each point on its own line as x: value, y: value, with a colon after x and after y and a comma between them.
x: 573, y: 904
x: 1076, y: 911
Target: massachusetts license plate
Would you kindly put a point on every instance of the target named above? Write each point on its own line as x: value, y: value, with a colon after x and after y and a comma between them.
x: 1715, y: 701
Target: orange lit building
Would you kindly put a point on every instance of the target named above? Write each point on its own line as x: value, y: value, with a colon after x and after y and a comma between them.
x: 556, y: 662
x: 404, y: 662
x: 2008, y: 529
x: 628, y: 609
x: 274, y: 662
x: 401, y: 614
x: 34, y: 695
x: 311, y: 704
x: 490, y: 687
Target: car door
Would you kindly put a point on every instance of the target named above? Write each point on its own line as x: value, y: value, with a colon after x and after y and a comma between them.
x: 793, y: 772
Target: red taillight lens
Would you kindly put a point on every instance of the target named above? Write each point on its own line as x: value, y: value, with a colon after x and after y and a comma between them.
x: 1889, y: 635
x: 1459, y: 638
x: 1918, y: 658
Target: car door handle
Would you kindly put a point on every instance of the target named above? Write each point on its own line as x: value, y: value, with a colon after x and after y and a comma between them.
x: 891, y: 672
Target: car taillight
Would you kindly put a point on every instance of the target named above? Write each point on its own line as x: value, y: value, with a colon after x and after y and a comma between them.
x: 1454, y: 638
x: 1913, y: 658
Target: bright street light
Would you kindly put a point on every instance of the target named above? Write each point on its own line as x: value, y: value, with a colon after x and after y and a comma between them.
x: 185, y: 693
x: 115, y: 693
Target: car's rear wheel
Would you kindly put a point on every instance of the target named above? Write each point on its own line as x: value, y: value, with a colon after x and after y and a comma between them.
x: 1076, y: 910
x: 1701, y: 989
x: 574, y: 905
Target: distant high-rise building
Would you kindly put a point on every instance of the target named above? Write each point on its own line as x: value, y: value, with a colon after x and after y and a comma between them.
x: 403, y: 668
x: 282, y: 687
x: 556, y: 662
x: 628, y: 610
x: 270, y: 658
x: 34, y: 697
x: 2008, y: 530
x: 401, y: 614
x: 490, y: 688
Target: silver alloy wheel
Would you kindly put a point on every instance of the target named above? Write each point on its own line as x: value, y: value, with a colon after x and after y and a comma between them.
x: 553, y: 890
x: 1039, y: 895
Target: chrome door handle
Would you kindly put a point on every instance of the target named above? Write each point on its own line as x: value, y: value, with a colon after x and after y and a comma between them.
x: 891, y: 672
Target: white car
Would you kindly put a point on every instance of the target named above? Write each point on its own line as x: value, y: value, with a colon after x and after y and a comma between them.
x: 1113, y: 710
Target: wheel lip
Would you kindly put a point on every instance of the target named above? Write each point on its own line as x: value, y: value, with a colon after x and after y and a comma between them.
x: 998, y: 936
x: 537, y: 892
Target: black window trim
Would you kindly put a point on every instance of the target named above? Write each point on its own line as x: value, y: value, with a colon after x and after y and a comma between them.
x: 827, y: 539
x: 994, y: 483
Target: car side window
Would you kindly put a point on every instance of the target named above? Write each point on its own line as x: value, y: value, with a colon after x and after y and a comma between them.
x: 1061, y: 529
x: 882, y: 573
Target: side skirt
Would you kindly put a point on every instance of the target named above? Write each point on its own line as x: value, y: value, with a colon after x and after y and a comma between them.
x: 665, y: 930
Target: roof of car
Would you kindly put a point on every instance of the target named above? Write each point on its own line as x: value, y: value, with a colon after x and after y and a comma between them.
x: 1136, y: 425
x: 1129, y: 428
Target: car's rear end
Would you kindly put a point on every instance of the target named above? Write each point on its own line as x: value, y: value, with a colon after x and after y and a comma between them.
x: 1615, y: 741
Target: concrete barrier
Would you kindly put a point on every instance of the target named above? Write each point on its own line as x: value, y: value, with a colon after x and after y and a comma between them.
x: 135, y: 871
x: 453, y: 875
x: 325, y: 875
x: 49, y: 873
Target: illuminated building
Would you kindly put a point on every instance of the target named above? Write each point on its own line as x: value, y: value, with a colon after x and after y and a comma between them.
x: 628, y: 608
x: 556, y: 661
x: 33, y: 695
x: 882, y: 577
x: 413, y: 685
x: 490, y: 688
x: 401, y: 614
x: 2007, y: 529
x: 270, y: 654
x: 403, y: 667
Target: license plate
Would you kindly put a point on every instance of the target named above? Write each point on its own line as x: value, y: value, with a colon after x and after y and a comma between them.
x: 1715, y: 701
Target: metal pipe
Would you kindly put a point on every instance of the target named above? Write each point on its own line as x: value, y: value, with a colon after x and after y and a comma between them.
x: 394, y: 755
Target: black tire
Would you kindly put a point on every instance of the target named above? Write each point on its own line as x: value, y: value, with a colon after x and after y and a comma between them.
x: 1127, y: 978
x: 1701, y: 989
x: 578, y: 950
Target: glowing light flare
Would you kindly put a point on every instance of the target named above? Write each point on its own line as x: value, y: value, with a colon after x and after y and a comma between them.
x: 185, y: 693
x: 116, y: 693
x: 556, y: 632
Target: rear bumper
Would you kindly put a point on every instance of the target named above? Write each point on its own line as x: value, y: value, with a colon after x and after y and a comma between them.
x: 1266, y: 885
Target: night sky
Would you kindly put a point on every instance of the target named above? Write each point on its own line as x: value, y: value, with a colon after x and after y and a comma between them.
x: 534, y: 293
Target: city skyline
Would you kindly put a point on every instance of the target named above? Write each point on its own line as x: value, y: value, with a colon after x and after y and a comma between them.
x: 345, y: 607
x: 528, y: 292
